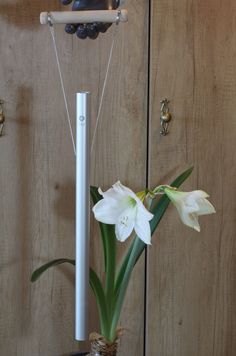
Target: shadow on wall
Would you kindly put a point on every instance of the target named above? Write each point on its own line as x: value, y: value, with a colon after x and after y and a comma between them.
x: 16, y: 300
x: 64, y: 207
x: 66, y: 193
x: 24, y: 143
x: 25, y: 13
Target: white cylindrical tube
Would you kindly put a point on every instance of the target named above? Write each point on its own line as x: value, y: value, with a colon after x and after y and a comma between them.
x: 82, y: 215
x: 64, y: 17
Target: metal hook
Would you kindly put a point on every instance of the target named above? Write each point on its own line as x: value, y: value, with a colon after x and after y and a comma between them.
x: 2, y: 118
x: 118, y: 17
x: 50, y: 19
x: 165, y: 117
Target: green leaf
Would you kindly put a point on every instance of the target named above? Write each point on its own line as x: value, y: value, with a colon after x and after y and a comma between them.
x: 95, y: 198
x: 122, y: 269
x: 38, y: 272
x: 136, y: 249
x: 97, y: 289
x: 108, y: 305
x: 110, y: 237
x: 109, y: 248
x: 95, y: 285
x: 123, y: 287
x: 158, y: 208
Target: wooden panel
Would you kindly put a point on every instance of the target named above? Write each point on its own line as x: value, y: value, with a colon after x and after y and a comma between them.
x: 37, y: 169
x: 192, y: 304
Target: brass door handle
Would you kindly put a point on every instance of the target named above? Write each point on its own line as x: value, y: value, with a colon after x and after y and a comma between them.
x: 2, y: 118
x: 165, y: 117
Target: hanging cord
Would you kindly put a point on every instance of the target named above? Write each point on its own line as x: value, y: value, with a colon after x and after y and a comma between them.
x: 62, y: 82
x: 105, y: 82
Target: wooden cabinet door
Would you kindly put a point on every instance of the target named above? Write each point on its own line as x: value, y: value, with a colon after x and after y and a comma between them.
x: 191, y: 295
x: 37, y: 168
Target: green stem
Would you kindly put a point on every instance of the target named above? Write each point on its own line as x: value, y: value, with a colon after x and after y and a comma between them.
x: 123, y: 288
x: 97, y: 289
x: 122, y: 269
x: 136, y: 249
x: 110, y: 271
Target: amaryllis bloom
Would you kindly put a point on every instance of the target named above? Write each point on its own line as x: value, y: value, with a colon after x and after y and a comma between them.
x: 121, y: 207
x: 190, y: 205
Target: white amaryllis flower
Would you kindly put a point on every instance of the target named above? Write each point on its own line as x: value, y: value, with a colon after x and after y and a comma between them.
x: 190, y: 205
x: 121, y: 207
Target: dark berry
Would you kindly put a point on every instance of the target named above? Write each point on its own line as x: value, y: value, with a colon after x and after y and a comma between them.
x: 76, y: 6
x: 81, y: 31
x: 66, y: 2
x: 95, y: 4
x: 102, y: 26
x: 71, y: 28
x: 105, y: 27
x: 99, y: 26
x: 93, y: 35
x: 92, y: 31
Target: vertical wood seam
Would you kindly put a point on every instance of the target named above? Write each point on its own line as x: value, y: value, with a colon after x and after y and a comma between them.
x: 218, y: 277
x: 146, y: 261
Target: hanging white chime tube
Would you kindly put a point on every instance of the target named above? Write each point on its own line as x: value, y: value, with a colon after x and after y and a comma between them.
x: 82, y: 215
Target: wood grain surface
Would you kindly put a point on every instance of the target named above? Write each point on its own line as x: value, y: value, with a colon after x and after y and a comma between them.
x: 192, y: 277
x: 191, y: 295
x: 37, y: 171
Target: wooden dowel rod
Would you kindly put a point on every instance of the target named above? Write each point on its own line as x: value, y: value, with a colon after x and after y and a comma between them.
x: 65, y: 17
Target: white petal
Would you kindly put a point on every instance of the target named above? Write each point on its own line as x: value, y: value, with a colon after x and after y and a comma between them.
x: 107, y: 211
x: 195, y: 223
x: 143, y: 230
x: 205, y: 207
x: 123, y: 190
x: 177, y: 198
x: 188, y: 218
x: 197, y: 227
x: 197, y: 194
x: 111, y: 194
x: 143, y: 213
x: 190, y: 205
x: 192, y: 198
x: 125, y: 224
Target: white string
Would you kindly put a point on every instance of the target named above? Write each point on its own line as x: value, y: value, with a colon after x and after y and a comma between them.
x: 104, y: 86
x: 62, y: 87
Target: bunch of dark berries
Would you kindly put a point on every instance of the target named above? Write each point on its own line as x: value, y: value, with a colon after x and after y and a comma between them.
x: 90, y: 30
